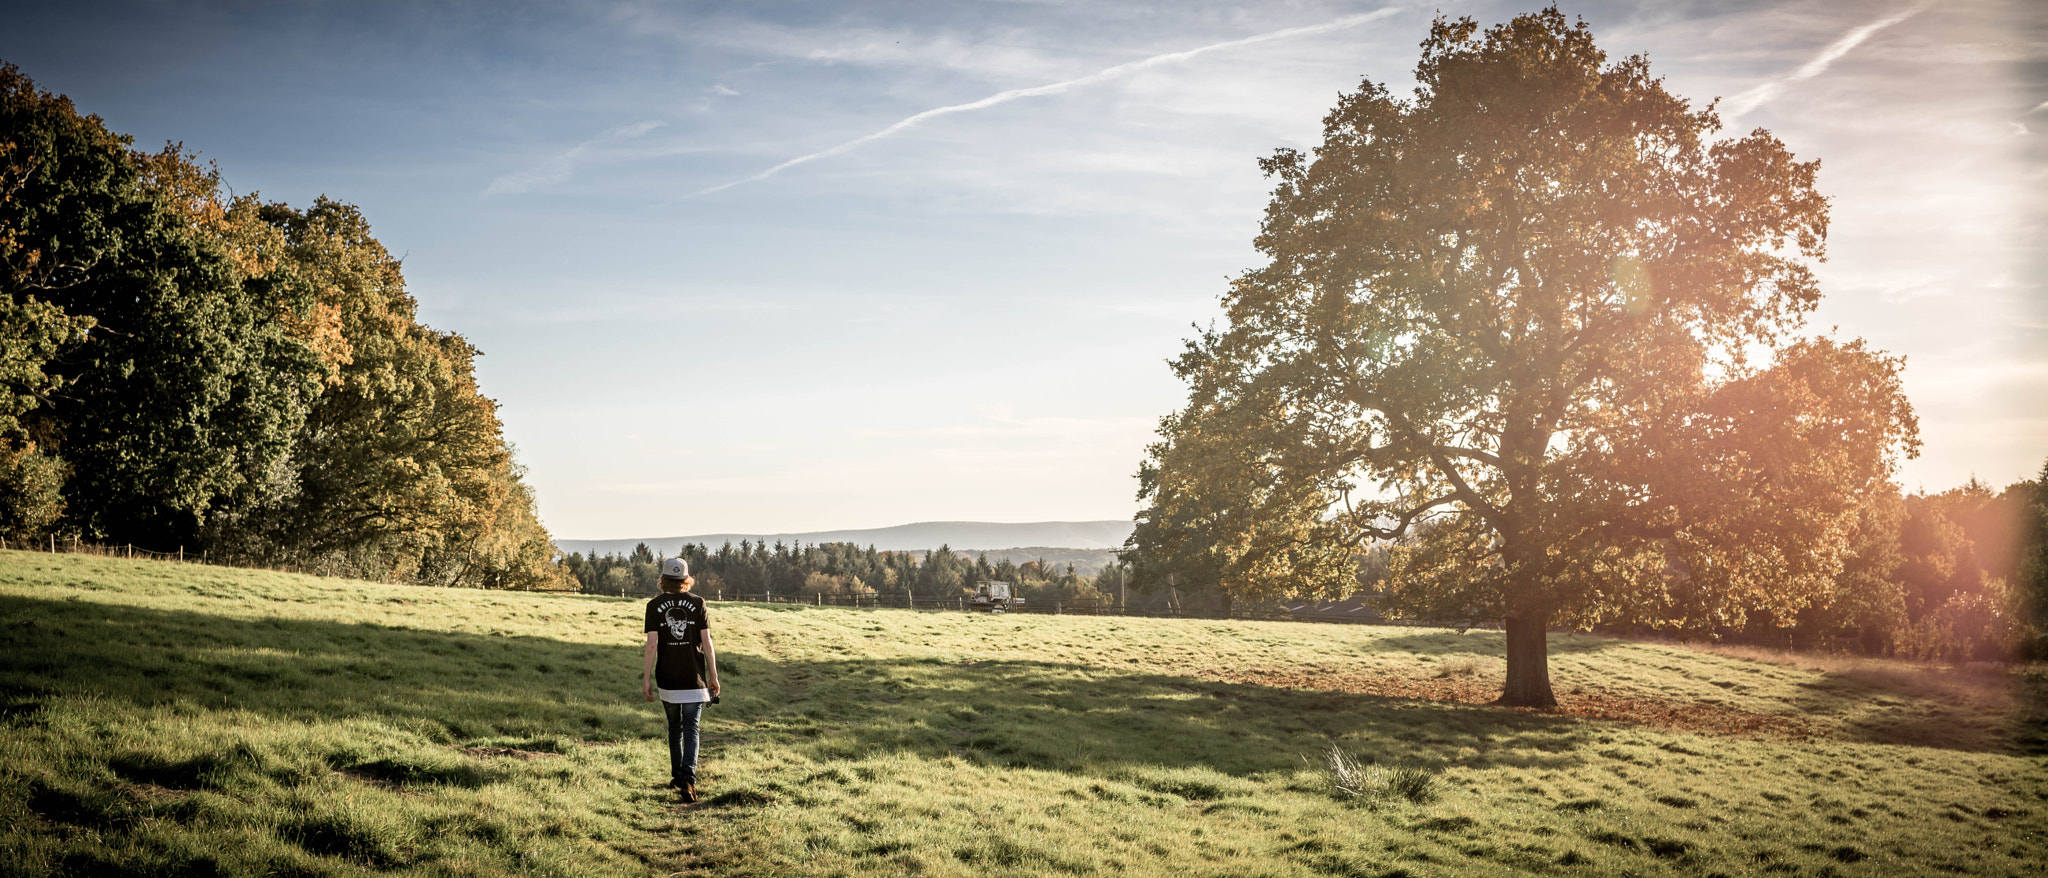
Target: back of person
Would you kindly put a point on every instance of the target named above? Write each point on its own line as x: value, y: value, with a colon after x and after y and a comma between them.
x: 680, y: 668
x: 678, y: 621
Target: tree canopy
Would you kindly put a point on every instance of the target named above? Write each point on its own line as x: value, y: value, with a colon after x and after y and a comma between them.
x: 183, y: 367
x: 1539, y: 325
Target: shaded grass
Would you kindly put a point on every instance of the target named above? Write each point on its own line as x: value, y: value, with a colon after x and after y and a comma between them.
x: 1976, y: 706
x: 170, y: 719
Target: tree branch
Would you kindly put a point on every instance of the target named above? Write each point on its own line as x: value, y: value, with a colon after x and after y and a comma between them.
x: 1406, y: 518
x: 1477, y: 454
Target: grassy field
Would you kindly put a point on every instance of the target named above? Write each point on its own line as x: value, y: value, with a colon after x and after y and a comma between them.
x: 158, y: 718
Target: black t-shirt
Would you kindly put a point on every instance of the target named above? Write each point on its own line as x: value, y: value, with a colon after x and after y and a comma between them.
x: 679, y: 622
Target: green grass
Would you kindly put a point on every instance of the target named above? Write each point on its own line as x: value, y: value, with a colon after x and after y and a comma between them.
x: 158, y: 718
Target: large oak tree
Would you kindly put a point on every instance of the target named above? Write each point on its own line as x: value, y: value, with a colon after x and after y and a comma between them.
x: 1540, y: 324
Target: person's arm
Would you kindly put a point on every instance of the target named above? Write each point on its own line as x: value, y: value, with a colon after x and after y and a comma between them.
x: 647, y: 668
x: 710, y: 664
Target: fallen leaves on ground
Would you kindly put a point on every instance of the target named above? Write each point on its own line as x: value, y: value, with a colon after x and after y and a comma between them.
x: 1710, y: 719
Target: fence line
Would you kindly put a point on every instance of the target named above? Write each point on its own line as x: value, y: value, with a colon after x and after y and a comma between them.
x: 1061, y: 608
x: 77, y: 546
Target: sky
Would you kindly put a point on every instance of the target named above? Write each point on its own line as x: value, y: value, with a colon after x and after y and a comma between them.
x: 782, y: 267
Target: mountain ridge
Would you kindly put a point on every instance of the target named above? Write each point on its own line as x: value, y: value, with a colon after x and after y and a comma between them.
x: 916, y: 536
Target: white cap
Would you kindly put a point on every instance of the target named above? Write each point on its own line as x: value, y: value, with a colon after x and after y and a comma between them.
x: 675, y: 568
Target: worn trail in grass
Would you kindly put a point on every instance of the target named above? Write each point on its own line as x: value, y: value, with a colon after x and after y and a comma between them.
x: 180, y: 719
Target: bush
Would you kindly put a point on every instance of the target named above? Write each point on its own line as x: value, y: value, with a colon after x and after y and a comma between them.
x: 825, y: 583
x: 1982, y: 626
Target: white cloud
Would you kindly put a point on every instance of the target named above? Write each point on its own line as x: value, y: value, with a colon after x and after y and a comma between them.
x: 1004, y: 56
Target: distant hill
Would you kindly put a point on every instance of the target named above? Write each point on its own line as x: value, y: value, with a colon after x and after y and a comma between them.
x: 959, y: 535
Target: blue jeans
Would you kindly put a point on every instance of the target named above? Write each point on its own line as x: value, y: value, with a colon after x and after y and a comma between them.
x: 682, y: 740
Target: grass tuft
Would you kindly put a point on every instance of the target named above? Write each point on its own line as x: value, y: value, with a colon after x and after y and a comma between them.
x: 1350, y: 777
x: 743, y: 797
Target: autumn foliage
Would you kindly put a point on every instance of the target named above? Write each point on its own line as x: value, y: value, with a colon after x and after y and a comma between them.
x: 181, y: 367
x: 1539, y: 326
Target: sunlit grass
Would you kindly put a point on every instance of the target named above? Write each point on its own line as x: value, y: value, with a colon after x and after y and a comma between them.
x: 177, y: 719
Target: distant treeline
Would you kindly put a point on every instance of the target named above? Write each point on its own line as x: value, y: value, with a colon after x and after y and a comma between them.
x: 181, y: 366
x: 1087, y: 562
x: 1961, y: 575
x: 839, y: 568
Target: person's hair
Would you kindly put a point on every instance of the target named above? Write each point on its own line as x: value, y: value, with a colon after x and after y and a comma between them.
x: 673, y: 585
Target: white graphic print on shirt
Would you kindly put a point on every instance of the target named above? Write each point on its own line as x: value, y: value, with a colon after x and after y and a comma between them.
x: 676, y: 617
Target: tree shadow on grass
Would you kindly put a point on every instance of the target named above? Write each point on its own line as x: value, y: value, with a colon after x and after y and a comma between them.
x: 1928, y: 707
x: 455, y: 687
x: 450, y: 686
x: 1069, y: 717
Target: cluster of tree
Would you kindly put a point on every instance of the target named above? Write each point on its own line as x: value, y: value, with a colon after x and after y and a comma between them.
x: 835, y: 568
x: 1087, y: 562
x: 617, y: 575
x: 1541, y: 326
x: 184, y: 367
x: 1960, y: 575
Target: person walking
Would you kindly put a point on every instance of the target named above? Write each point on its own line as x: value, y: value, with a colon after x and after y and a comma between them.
x: 681, y: 668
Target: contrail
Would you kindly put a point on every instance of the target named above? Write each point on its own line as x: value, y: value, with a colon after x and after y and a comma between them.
x: 557, y: 169
x: 1763, y: 94
x: 1056, y: 88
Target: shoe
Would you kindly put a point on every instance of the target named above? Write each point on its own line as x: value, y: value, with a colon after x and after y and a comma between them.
x: 689, y: 792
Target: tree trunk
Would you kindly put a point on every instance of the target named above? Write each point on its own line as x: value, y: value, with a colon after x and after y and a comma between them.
x: 1528, y: 662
